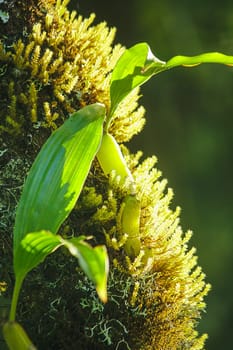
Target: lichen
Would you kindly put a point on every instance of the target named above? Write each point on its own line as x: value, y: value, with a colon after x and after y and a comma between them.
x: 4, y: 16
x: 154, y: 298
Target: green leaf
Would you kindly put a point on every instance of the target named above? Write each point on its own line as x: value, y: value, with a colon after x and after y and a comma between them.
x: 129, y: 72
x: 35, y: 246
x: 138, y: 64
x: 32, y: 250
x: 192, y: 61
x: 93, y: 261
x: 58, y: 173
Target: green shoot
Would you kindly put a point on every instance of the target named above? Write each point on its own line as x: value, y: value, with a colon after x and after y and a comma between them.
x: 50, y: 193
x: 138, y: 64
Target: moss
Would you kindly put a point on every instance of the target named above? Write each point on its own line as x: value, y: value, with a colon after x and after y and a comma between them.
x: 60, y: 63
x: 61, y: 66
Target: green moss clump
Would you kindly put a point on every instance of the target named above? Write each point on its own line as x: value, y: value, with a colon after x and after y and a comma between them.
x: 62, y: 65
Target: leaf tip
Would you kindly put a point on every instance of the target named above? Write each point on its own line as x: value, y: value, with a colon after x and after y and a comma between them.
x: 102, y: 293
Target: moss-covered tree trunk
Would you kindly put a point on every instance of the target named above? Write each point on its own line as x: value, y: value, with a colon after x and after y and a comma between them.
x: 53, y: 62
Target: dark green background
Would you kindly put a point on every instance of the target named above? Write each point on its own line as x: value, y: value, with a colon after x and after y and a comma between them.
x: 189, y: 127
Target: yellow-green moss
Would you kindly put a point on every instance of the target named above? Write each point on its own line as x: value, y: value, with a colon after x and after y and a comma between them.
x: 3, y: 286
x: 169, y: 286
x: 61, y: 66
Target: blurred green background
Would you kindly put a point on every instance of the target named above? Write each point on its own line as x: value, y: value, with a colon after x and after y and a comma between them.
x: 189, y: 127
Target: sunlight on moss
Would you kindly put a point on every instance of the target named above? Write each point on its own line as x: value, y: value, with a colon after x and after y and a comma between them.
x: 155, y: 297
x: 62, y: 65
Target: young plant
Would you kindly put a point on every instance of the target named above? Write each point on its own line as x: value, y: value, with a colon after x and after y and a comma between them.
x: 135, y: 67
x: 50, y: 193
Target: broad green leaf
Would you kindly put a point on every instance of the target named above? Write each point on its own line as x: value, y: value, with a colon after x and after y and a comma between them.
x: 58, y: 173
x: 129, y: 72
x: 35, y: 246
x: 32, y: 250
x: 138, y: 64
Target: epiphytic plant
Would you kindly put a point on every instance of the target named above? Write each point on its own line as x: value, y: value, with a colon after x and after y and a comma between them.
x: 154, y: 283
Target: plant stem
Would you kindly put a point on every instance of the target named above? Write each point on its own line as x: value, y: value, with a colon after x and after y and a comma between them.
x: 130, y: 224
x: 17, y: 287
x: 111, y: 158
